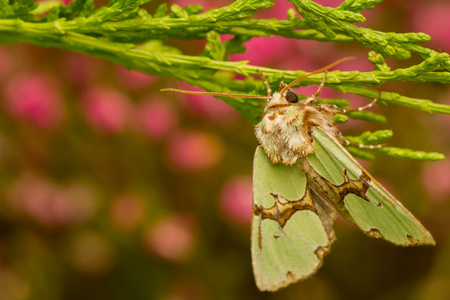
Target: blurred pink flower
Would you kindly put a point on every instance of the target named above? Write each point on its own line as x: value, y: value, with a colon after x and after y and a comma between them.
x: 35, y: 98
x: 436, y: 179
x: 194, y: 151
x: 155, y: 118
x: 127, y: 211
x: 132, y: 79
x: 236, y: 199
x: 106, y: 109
x: 91, y: 254
x: 263, y: 51
x: 432, y: 19
x: 50, y: 205
x: 80, y: 69
x: 172, y: 238
x: 279, y: 10
x: 207, y: 106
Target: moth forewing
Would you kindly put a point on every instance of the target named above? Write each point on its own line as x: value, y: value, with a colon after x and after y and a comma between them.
x: 357, y: 196
x: 291, y: 225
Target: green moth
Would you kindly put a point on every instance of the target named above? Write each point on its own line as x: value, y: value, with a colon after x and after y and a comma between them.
x: 300, y: 156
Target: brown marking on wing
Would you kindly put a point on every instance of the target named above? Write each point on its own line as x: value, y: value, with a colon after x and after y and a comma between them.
x: 259, y: 236
x: 337, y: 193
x: 363, y: 183
x: 375, y: 233
x: 411, y: 239
x: 357, y: 187
x: 368, y: 179
x: 290, y: 276
x: 284, y: 209
x: 320, y: 252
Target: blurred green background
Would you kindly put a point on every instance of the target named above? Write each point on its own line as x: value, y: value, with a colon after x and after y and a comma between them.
x: 110, y: 189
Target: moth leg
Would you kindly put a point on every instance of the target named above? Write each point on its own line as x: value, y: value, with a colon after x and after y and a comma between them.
x: 358, y: 145
x: 316, y: 94
x: 266, y: 83
x: 345, y: 142
x: 371, y: 104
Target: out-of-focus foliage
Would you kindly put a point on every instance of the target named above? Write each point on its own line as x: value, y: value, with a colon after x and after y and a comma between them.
x: 110, y: 189
x: 126, y: 34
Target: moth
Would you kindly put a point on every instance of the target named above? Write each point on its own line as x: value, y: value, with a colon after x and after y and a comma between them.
x: 301, y: 157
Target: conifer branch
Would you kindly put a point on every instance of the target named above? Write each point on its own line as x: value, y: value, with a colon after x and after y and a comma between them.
x: 113, y: 32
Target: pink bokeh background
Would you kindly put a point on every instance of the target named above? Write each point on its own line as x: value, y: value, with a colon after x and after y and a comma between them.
x: 95, y: 161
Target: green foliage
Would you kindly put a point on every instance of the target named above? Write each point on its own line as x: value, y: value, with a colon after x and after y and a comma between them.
x: 332, y: 21
x: 214, y: 48
x: 375, y: 138
x: 124, y: 33
x: 371, y: 138
x: 408, y: 153
x: 342, y: 103
x: 359, y: 153
x: 339, y: 119
x: 20, y: 9
x: 77, y: 8
x: 367, y: 116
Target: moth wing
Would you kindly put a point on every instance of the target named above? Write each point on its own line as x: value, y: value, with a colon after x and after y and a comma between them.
x: 326, y: 213
x: 291, y: 225
x: 358, y: 197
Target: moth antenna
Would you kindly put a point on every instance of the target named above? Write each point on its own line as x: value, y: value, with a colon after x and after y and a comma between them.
x: 371, y: 104
x: 362, y: 146
x: 283, y: 91
x: 214, y: 94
